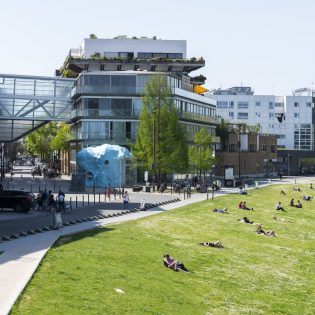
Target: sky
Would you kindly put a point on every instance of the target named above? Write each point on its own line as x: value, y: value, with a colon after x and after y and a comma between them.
x: 266, y: 44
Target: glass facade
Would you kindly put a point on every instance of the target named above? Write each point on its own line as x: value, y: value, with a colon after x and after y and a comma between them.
x: 107, y: 106
x: 27, y: 101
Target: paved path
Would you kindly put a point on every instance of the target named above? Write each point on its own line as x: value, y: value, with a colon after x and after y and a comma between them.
x: 21, y: 257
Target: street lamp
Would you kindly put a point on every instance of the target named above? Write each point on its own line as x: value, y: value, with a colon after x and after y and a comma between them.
x: 257, y: 168
x: 239, y: 156
x: 199, y: 151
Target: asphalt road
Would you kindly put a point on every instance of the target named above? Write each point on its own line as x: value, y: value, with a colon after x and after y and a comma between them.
x: 12, y: 222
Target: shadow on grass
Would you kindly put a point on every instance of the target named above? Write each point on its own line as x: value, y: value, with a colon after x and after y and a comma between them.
x: 74, y: 237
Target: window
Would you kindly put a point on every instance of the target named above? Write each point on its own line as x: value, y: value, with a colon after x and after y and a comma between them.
x: 271, y: 105
x: 257, y: 104
x: 231, y: 114
x: 242, y: 105
x: 252, y: 147
x: 232, y: 147
x: 257, y: 114
x: 222, y: 104
x: 296, y: 115
x: 296, y: 104
x: 271, y: 115
x: 308, y: 104
x: 242, y: 115
x: 263, y: 147
x: 231, y: 104
x: 273, y: 148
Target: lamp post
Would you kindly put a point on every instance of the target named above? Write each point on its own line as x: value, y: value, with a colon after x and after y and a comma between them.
x: 199, y: 160
x: 257, y: 168
x: 239, y: 156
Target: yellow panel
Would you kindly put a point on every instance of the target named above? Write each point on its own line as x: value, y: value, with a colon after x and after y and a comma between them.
x: 200, y: 89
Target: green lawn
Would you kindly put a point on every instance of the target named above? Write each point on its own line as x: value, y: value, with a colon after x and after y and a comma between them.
x: 252, y: 274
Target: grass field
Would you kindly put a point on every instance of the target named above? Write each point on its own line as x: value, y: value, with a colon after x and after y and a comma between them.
x: 252, y: 274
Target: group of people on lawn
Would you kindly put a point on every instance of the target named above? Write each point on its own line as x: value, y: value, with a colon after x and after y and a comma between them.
x: 176, y: 265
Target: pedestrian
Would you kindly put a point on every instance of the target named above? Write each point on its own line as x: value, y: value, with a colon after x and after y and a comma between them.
x: 125, y: 200
x: 109, y: 191
x: 1, y: 187
x: 45, y: 200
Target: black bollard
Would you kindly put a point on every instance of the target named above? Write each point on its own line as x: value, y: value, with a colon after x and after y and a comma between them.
x: 71, y: 203
x: 88, y: 199
x: 83, y: 200
x: 76, y: 201
x: 94, y: 197
x: 99, y: 198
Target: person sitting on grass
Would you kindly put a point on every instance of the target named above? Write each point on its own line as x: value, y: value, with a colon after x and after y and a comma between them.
x: 243, y: 191
x: 246, y: 220
x: 260, y: 231
x: 282, y: 192
x: 279, y: 207
x: 245, y: 206
x: 224, y: 210
x: 311, y: 186
x: 292, y: 203
x: 170, y: 262
x: 216, y: 244
x: 299, y: 205
x: 240, y: 205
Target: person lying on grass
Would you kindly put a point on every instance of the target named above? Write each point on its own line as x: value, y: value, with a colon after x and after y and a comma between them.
x: 170, y: 262
x: 260, y: 231
x: 282, y: 192
x: 246, y: 220
x: 307, y: 198
x: 217, y: 244
x: 242, y: 205
x: 281, y: 219
x: 292, y: 203
x: 224, y: 210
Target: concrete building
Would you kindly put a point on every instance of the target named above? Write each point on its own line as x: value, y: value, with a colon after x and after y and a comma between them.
x: 110, y: 78
x: 289, y: 118
x: 246, y: 155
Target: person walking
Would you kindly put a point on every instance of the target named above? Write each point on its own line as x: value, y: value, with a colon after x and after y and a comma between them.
x: 125, y: 200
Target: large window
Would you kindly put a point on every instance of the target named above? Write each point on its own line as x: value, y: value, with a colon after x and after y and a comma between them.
x: 242, y: 105
x: 222, y: 104
x: 123, y: 84
x: 242, y: 115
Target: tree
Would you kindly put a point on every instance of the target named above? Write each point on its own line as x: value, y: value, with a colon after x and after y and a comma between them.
x: 201, y: 154
x: 39, y: 141
x: 161, y: 144
x: 222, y: 131
x: 61, y: 142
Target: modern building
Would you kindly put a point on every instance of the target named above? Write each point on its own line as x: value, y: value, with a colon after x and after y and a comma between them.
x: 290, y: 118
x: 110, y: 78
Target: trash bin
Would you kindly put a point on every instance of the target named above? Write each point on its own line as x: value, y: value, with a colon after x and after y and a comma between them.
x: 147, y: 188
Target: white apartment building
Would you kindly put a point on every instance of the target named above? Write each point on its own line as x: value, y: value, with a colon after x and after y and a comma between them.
x: 290, y: 118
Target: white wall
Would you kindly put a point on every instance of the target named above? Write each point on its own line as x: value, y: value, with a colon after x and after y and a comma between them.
x: 91, y: 46
x: 265, y: 116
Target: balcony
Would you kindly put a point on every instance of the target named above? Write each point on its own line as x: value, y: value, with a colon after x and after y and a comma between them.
x: 118, y: 64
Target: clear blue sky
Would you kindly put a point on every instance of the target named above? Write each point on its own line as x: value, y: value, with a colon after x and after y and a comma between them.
x: 267, y: 44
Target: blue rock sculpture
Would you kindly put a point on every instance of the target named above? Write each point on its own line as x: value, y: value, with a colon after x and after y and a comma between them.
x: 103, y: 165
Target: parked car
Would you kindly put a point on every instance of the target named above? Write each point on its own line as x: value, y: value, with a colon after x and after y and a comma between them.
x: 18, y: 200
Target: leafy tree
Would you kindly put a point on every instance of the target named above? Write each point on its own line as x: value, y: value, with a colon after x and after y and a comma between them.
x: 201, y: 154
x: 222, y: 131
x: 161, y: 144
x: 39, y: 141
x: 61, y: 142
